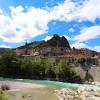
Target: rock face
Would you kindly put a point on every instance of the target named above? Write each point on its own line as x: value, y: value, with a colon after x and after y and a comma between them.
x: 78, y: 94
x: 55, y: 41
x: 58, y: 41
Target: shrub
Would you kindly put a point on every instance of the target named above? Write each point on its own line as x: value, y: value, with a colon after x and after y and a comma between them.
x: 5, y: 87
x: 3, y: 97
x: 88, y: 77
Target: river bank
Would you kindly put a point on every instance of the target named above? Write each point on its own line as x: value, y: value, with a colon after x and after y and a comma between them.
x: 28, y: 91
x: 50, y: 90
x: 78, y: 94
x: 20, y: 85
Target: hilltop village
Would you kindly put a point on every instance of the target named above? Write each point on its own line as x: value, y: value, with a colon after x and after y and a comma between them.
x: 58, y: 48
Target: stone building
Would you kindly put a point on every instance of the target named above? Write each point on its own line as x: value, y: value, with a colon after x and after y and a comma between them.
x: 50, y: 53
x: 55, y: 49
x: 57, y: 53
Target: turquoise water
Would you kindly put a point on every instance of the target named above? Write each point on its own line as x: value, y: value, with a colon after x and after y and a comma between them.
x: 55, y: 83
x: 62, y: 84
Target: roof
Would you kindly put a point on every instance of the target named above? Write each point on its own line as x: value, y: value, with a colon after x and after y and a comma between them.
x: 75, y: 56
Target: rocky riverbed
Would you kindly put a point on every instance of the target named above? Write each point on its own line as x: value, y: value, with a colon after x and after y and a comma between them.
x: 78, y: 94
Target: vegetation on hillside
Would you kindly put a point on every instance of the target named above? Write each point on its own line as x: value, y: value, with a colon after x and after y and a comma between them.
x: 55, y: 41
x: 12, y: 66
x: 2, y: 50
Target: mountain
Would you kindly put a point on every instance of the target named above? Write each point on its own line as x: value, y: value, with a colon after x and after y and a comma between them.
x: 55, y: 41
x: 3, y: 50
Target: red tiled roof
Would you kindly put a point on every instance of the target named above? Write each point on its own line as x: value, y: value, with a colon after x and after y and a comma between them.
x: 74, y: 56
x: 98, y: 56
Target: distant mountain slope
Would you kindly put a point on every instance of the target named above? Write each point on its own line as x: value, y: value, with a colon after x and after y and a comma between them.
x: 3, y: 50
x: 55, y: 41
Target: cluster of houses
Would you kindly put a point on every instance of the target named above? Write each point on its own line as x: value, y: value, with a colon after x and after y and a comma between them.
x: 57, y: 53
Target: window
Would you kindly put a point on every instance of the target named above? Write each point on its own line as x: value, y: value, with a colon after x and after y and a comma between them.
x: 62, y: 49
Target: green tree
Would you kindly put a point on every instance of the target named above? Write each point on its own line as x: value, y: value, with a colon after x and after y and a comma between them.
x: 38, y: 70
x: 80, y: 61
x: 8, y: 62
x: 64, y: 72
x: 26, y: 67
x: 50, y: 70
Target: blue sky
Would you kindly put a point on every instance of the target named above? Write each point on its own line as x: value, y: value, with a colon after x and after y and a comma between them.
x: 35, y: 20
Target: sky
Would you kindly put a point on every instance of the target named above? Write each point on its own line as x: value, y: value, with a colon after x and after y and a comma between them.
x: 36, y: 20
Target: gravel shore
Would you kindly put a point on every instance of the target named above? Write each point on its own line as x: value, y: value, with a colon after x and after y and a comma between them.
x: 20, y: 85
x: 78, y: 94
x: 82, y: 93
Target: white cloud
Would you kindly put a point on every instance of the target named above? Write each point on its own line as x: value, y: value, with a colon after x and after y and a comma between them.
x: 71, y: 30
x: 63, y: 12
x: 47, y: 38
x: 69, y: 10
x: 90, y: 10
x: 96, y: 48
x: 24, y: 23
x: 0, y: 11
x: 88, y: 33
x: 83, y: 45
x: 67, y: 37
x: 78, y: 45
x: 4, y: 46
x: 16, y: 11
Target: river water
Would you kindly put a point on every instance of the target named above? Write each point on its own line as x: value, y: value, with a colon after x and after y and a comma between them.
x: 62, y: 84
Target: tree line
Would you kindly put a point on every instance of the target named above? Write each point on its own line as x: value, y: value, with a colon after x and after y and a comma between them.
x: 16, y: 67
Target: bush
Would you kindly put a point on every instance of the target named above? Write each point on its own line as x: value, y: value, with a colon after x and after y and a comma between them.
x: 65, y: 73
x: 3, y: 97
x: 88, y: 77
x: 5, y: 87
